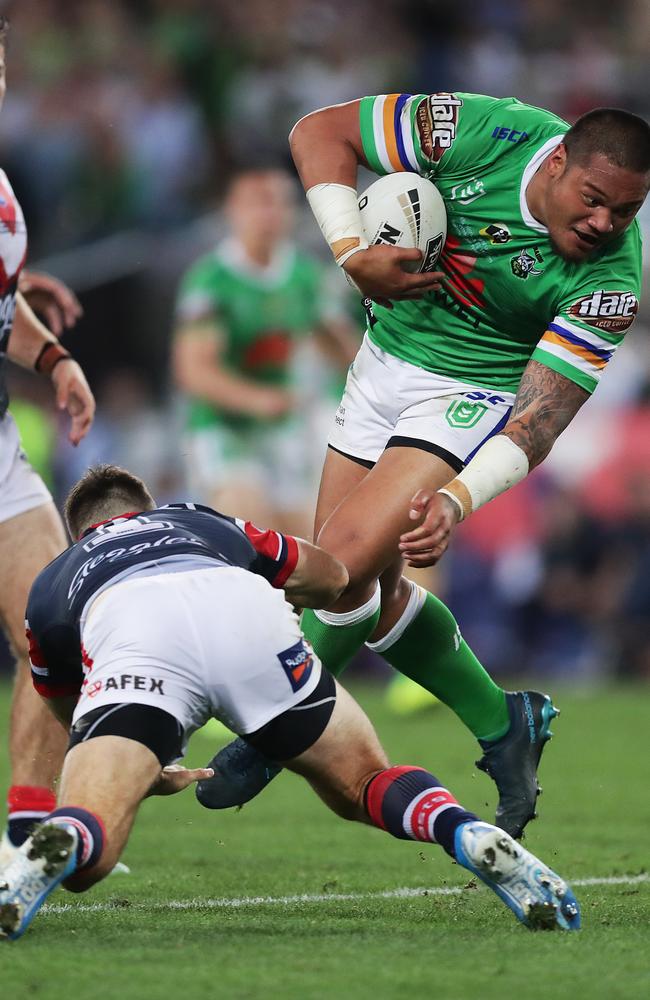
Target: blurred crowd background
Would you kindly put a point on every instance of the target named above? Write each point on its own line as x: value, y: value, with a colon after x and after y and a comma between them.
x: 124, y: 121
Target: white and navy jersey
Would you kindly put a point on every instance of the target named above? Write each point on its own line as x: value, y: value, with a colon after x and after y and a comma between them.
x: 13, y: 250
x: 169, y: 539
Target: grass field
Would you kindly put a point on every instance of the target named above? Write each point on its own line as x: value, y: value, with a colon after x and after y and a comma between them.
x: 202, y: 914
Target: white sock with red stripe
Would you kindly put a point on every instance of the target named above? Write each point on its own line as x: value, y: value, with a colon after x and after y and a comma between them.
x: 411, y: 804
x: 27, y: 805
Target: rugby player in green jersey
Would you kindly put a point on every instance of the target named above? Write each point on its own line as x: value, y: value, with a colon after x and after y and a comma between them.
x: 467, y: 375
x: 241, y: 311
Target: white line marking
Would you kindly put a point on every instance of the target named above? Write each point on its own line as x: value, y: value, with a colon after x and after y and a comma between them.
x: 325, y: 897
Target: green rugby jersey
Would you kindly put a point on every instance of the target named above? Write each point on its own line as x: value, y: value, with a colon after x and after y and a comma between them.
x: 508, y: 297
x: 260, y: 313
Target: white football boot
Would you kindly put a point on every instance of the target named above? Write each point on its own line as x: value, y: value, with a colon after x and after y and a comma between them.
x: 7, y: 850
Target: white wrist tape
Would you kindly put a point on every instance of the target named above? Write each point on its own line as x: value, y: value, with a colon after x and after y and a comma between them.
x: 337, y: 213
x: 496, y: 466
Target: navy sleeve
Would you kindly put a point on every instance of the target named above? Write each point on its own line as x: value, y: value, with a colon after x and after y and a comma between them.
x: 54, y: 645
x: 55, y: 658
x: 277, y: 554
x: 274, y: 555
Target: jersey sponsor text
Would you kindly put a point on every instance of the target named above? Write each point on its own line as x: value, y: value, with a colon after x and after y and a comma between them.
x: 437, y: 118
x: 613, y: 311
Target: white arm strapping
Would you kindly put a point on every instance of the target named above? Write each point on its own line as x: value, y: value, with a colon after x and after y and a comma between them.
x: 337, y: 213
x: 496, y: 466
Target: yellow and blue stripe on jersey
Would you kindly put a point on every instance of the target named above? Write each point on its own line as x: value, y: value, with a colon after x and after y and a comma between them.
x: 583, y: 352
x: 387, y: 133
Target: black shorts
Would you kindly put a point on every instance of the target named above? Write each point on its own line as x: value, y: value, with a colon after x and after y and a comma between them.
x: 297, y: 729
x: 146, y: 724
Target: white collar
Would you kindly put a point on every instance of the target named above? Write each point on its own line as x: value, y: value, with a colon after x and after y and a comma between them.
x: 531, y: 168
x: 234, y: 256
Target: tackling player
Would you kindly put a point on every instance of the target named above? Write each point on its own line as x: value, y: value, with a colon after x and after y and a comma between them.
x: 155, y: 621
x: 31, y: 532
x: 467, y: 375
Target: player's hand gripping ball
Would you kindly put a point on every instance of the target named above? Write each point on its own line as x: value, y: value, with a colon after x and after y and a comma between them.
x: 405, y: 210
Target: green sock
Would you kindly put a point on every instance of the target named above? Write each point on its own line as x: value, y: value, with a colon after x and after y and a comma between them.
x: 431, y: 651
x: 337, y: 639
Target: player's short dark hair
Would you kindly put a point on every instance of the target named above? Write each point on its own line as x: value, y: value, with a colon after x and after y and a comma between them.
x: 624, y: 138
x: 103, y: 492
x: 4, y: 28
x: 256, y: 173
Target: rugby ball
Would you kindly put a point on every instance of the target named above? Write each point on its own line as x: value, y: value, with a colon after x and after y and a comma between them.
x: 405, y: 210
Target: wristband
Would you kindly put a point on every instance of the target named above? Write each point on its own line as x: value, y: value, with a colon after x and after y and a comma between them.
x: 497, y: 465
x: 49, y: 356
x: 337, y: 213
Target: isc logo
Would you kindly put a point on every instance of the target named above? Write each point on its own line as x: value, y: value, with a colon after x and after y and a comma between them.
x: 506, y: 134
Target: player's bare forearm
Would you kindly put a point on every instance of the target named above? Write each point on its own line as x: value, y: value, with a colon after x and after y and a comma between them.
x: 327, y: 150
x: 326, y: 146
x: 50, y: 297
x: 545, y: 405
x: 199, y: 372
x: 236, y: 394
x: 28, y: 335
x: 318, y: 579
x: 339, y: 341
x: 27, y: 340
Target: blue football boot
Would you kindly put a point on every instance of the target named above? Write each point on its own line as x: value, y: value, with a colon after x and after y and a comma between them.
x: 36, y: 868
x: 538, y: 897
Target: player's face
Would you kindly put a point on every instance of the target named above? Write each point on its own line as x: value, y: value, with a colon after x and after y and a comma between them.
x: 260, y: 207
x: 589, y: 205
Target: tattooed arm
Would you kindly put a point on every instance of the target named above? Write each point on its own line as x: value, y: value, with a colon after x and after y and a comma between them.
x: 545, y: 404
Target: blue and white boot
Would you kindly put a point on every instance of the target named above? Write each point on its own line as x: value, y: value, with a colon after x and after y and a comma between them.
x: 37, y: 867
x: 538, y: 897
x: 7, y: 850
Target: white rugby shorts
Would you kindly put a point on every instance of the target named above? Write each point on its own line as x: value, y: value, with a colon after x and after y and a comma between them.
x: 387, y: 400
x: 274, y: 460
x: 21, y: 488
x: 206, y: 642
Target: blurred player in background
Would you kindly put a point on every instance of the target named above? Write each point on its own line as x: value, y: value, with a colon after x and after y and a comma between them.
x: 31, y: 532
x: 224, y: 642
x: 476, y: 378
x: 242, y: 310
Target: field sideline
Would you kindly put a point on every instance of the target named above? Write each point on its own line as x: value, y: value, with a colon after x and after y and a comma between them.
x: 282, y: 900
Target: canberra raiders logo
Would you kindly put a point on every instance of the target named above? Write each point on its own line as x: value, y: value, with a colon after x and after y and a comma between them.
x: 525, y: 264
